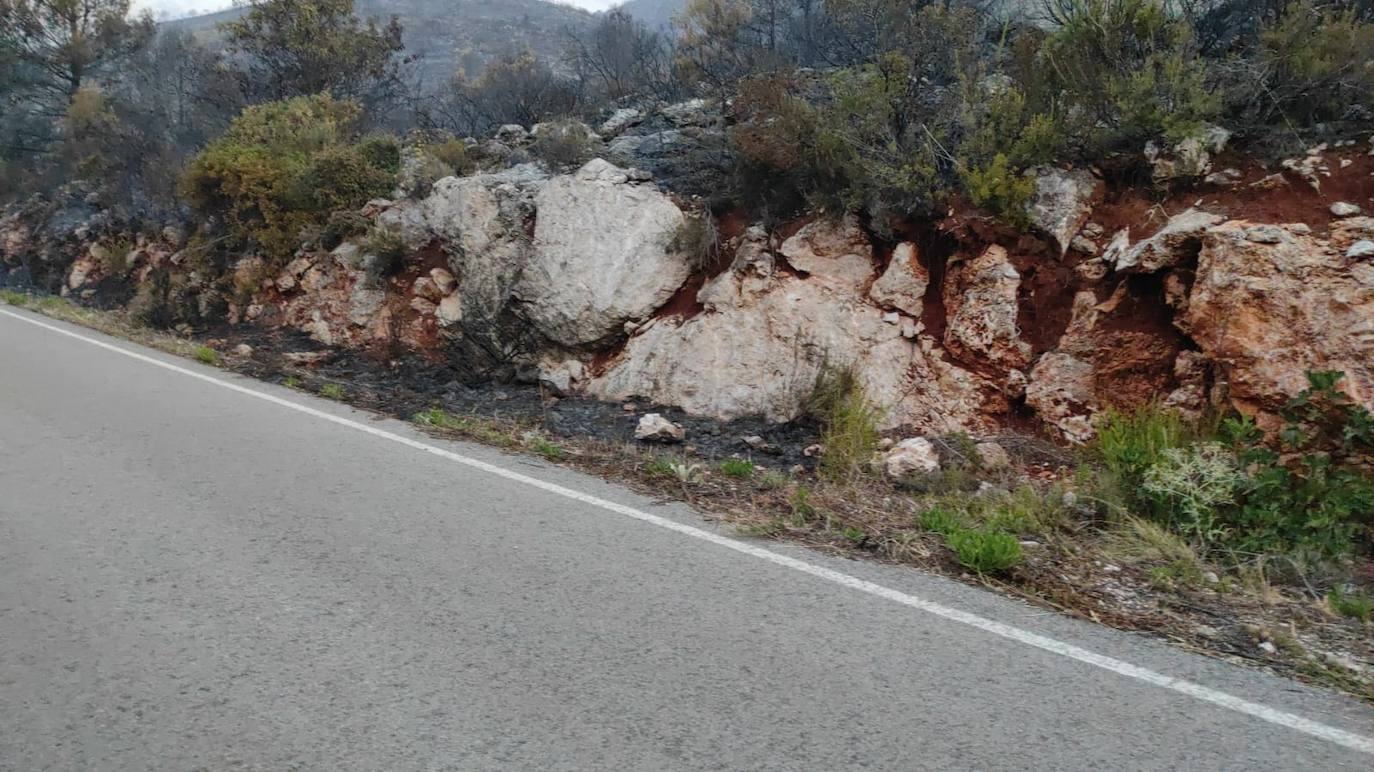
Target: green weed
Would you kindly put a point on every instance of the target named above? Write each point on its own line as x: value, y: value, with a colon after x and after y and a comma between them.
x: 332, y: 391
x: 208, y: 356
x: 985, y: 552
x: 737, y: 467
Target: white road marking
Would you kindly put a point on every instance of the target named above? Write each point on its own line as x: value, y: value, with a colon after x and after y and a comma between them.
x: 1322, y: 731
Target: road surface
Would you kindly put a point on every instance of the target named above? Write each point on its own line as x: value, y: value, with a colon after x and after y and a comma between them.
x: 201, y: 571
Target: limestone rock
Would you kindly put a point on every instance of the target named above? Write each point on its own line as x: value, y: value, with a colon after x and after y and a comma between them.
x: 903, y: 284
x: 1190, y: 158
x: 1345, y: 209
x: 1268, y: 313
x: 981, y: 304
x: 915, y: 455
x: 1174, y: 243
x: 1061, y: 391
x: 765, y: 337
x: 619, y: 121
x: 838, y: 254
x: 605, y: 253
x: 1062, y: 202
x: 992, y: 456
x: 655, y: 428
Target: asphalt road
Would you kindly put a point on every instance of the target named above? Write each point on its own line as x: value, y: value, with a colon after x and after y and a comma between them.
x: 194, y: 577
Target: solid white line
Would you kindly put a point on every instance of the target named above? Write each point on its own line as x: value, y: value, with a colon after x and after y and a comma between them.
x: 1197, y: 691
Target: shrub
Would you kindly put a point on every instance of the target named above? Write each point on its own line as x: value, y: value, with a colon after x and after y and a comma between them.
x: 1194, y: 485
x: 332, y: 391
x: 942, y: 520
x: 1129, y: 442
x: 1315, y: 63
x: 341, y: 226
x: 563, y: 144
x: 388, y: 251
x: 1126, y: 71
x: 282, y: 167
x: 985, y: 552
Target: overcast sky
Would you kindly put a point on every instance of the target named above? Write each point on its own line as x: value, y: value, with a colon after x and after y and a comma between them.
x: 185, y: 7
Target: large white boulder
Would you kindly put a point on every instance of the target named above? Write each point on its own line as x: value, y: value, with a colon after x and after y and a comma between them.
x: 915, y: 455
x: 764, y: 339
x: 606, y: 251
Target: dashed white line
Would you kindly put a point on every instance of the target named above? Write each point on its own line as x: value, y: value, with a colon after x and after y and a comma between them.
x: 1206, y: 694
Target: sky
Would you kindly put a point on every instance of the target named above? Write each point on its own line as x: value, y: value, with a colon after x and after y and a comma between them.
x: 175, y: 8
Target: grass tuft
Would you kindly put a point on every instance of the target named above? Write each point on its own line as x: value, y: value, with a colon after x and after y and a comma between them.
x: 850, y: 423
x: 737, y: 468
x: 208, y: 356
x: 332, y: 391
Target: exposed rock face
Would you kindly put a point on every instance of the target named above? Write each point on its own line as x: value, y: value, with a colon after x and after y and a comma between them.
x: 1063, y: 200
x: 481, y: 223
x: 980, y: 303
x: 604, y: 253
x: 764, y: 339
x: 1266, y: 313
x: 1178, y: 240
x: 903, y: 285
x: 1061, y: 392
x: 837, y: 253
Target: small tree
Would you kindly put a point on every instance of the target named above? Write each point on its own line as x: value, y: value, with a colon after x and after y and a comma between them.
x: 298, y: 47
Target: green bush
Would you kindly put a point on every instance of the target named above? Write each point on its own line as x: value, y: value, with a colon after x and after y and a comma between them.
x: 282, y: 167
x: 343, y: 225
x: 1316, y: 63
x: 985, y: 552
x: 1129, y: 442
x: 1125, y: 71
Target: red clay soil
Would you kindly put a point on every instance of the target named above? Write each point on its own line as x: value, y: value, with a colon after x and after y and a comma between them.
x: 1293, y: 201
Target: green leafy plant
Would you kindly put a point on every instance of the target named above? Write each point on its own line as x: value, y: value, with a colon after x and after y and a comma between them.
x: 282, y: 167
x: 985, y: 552
x: 941, y: 520
x: 332, y: 391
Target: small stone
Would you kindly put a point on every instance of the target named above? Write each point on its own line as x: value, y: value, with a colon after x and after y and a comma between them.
x: 1211, y: 577
x: 912, y: 455
x: 1070, y: 499
x: 1268, y: 647
x: 812, y: 451
x: 886, y: 443
x: 243, y: 350
x: 992, y: 455
x: 1345, y: 209
x: 797, y: 469
x: 628, y: 407
x: 754, y: 441
x: 1084, y: 245
x: 450, y: 310
x: 655, y: 428
x: 1112, y: 569
x: 1362, y: 248
x: 1264, y: 234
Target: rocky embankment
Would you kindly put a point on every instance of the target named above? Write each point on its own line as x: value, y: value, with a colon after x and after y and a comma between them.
x: 602, y: 281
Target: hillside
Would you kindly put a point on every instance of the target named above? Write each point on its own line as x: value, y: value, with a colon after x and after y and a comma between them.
x: 655, y: 13
x: 437, y: 32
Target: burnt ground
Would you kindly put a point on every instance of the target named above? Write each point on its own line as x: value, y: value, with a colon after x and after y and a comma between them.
x: 409, y: 384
